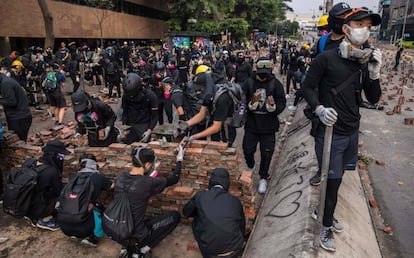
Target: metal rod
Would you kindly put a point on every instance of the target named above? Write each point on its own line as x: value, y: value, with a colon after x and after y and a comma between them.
x: 405, y: 20
x: 324, y: 178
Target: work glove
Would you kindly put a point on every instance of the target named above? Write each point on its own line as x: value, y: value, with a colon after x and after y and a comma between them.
x: 187, y: 140
x: 270, y: 104
x: 146, y: 136
x: 374, y: 65
x: 180, y: 154
x: 328, y: 116
x: 104, y: 133
x: 77, y: 135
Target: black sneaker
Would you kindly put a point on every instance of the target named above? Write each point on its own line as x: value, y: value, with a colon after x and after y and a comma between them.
x: 315, y: 180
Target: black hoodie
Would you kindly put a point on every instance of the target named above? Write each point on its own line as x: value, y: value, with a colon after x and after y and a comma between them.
x: 219, y: 221
x: 13, y: 99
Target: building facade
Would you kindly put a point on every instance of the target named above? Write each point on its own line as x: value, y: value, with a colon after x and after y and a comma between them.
x: 74, y: 20
x: 399, y: 17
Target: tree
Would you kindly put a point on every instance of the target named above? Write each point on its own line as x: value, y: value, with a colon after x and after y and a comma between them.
x: 101, y: 12
x: 48, y: 20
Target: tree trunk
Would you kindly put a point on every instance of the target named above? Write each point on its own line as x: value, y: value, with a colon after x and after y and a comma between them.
x: 101, y: 28
x: 48, y: 20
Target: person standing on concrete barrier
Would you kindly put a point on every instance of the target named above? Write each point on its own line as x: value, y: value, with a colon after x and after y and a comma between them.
x: 95, y: 118
x: 340, y: 76
x: 219, y: 222
x: 139, y: 109
x: 266, y: 99
x: 16, y: 106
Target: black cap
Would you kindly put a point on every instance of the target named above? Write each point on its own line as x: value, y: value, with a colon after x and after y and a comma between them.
x: 339, y: 9
x: 79, y: 101
x: 219, y: 176
x: 167, y: 80
x: 56, y: 147
x: 358, y: 14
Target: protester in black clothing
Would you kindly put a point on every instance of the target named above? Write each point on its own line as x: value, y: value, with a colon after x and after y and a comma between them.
x: 293, y: 66
x: 284, y: 52
x: 397, y: 58
x: 360, y: 67
x: 266, y: 99
x: 42, y: 212
x: 243, y: 70
x: 219, y: 222
x: 73, y: 65
x: 183, y: 72
x: 112, y: 76
x: 95, y: 118
x: 205, y: 84
x: 100, y: 183
x: 8, y: 60
x: 140, y: 109
x: 164, y: 102
x: 16, y: 106
x: 143, y: 182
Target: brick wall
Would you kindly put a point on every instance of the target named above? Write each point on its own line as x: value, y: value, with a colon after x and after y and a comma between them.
x: 199, y: 159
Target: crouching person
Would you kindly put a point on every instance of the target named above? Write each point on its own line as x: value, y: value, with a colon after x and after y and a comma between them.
x: 78, y: 211
x: 219, y: 221
x: 42, y: 212
x: 139, y: 184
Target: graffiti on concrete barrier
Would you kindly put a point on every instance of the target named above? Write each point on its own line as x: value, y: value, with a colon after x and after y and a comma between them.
x: 289, y: 195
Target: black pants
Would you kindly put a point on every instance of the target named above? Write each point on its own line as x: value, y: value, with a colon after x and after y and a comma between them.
x: 290, y: 79
x: 267, y: 147
x: 76, y: 84
x: 20, y: 126
x: 332, y: 188
x: 135, y: 133
x: 113, y: 80
x: 164, y: 104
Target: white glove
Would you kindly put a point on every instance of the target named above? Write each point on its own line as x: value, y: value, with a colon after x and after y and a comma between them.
x: 328, y: 116
x: 104, y: 133
x: 77, y: 135
x: 146, y: 136
x: 182, y: 125
x: 374, y: 66
x: 180, y: 154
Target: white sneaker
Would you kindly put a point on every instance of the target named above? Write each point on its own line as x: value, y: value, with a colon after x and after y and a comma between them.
x: 262, y: 186
x: 287, y: 96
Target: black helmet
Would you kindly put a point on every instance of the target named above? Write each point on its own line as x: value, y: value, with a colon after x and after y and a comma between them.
x: 159, y: 66
x: 132, y: 85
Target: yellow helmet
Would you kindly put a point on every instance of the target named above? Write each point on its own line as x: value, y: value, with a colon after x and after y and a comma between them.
x: 202, y: 69
x: 17, y: 64
x: 323, y: 21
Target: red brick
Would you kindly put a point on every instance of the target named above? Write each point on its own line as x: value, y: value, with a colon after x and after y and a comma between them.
x: 118, y: 146
x: 183, y: 190
x: 362, y: 165
x: 380, y: 162
x: 213, y: 145
x: 193, y: 246
x: 246, y: 181
x: 250, y: 213
x: 373, y: 203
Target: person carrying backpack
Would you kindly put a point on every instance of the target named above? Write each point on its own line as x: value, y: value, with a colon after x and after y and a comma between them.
x: 42, y: 212
x: 83, y: 189
x: 220, y: 107
x: 139, y: 184
x: 265, y: 99
x: 54, y: 83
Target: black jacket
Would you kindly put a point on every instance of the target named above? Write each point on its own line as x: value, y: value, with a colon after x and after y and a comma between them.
x: 219, y: 221
x: 261, y: 121
x: 328, y: 70
x: 13, y: 99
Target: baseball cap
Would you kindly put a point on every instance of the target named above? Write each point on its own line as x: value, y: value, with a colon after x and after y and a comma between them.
x: 79, y: 101
x: 56, y: 147
x: 357, y: 14
x: 339, y: 9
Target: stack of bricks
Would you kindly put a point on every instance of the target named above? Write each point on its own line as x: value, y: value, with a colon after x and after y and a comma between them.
x: 59, y: 132
x: 200, y: 158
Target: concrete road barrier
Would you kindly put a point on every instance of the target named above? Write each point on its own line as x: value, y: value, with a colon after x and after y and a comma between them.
x: 284, y: 226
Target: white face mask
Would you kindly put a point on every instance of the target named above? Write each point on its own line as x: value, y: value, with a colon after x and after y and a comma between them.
x: 358, y: 36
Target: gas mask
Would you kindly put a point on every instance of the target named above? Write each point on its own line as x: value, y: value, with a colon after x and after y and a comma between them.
x: 347, y: 51
x: 88, y: 119
x: 167, y: 94
x: 358, y: 36
x: 150, y: 171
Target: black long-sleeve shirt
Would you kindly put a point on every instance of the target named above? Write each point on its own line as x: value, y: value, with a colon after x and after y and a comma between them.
x: 328, y: 70
x: 13, y: 99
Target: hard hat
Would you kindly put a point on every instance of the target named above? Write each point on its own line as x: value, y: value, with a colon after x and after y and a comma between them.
x: 323, y: 21
x: 17, y: 63
x: 202, y: 69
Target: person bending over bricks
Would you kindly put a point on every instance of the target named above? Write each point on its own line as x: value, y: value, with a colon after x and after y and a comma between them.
x: 219, y: 222
x: 143, y: 182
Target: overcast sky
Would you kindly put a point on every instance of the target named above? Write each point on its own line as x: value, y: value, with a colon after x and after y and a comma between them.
x: 310, y: 6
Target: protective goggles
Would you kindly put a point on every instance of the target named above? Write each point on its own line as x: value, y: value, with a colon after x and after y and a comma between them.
x: 355, y: 11
x: 264, y: 64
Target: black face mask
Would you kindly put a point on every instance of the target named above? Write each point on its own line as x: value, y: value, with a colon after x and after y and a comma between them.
x: 335, y: 24
x: 262, y: 75
x: 240, y: 60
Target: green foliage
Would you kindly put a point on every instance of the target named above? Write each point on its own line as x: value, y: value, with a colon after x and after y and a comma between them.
x: 237, y: 16
x: 101, y: 4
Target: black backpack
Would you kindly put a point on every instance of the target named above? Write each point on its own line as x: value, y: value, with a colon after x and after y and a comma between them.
x: 110, y: 68
x: 238, y: 96
x: 117, y: 220
x: 191, y: 100
x: 73, y: 202
x: 20, y: 186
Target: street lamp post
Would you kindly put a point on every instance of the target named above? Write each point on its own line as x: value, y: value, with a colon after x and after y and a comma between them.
x: 405, y: 20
